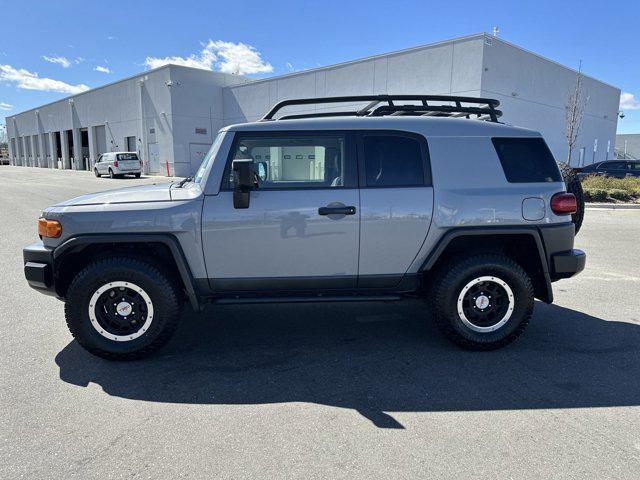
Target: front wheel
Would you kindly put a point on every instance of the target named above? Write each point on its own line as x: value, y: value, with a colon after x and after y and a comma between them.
x: 122, y: 308
x: 95, y: 172
x: 482, y: 302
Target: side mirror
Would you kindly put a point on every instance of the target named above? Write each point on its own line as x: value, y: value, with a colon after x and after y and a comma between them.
x: 243, y: 181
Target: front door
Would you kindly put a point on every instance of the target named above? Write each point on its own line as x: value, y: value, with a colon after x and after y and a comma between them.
x: 301, y: 229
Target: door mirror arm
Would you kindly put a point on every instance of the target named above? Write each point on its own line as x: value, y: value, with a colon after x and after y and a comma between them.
x: 244, y: 180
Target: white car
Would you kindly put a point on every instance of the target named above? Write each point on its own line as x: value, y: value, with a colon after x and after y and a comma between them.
x: 117, y: 164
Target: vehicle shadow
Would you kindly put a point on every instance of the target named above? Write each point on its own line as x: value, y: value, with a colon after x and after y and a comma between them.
x: 373, y: 358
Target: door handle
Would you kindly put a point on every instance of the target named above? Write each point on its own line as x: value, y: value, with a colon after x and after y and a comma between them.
x: 337, y: 211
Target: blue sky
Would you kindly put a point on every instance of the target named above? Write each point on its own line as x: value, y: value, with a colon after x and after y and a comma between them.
x: 50, y: 49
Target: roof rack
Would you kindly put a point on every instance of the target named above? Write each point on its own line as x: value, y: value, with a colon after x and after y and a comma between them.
x: 383, y: 105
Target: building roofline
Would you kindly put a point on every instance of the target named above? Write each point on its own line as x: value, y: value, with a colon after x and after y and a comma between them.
x: 122, y: 80
x: 542, y: 57
x: 326, y: 68
x: 364, y: 59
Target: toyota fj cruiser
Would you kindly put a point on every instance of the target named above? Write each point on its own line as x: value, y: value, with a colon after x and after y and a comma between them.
x: 390, y: 199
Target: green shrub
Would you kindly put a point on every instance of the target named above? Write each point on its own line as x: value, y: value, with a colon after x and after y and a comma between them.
x: 595, y: 194
x: 619, y: 194
x: 628, y: 184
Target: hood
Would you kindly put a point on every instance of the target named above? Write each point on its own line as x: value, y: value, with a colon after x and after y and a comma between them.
x: 137, y: 194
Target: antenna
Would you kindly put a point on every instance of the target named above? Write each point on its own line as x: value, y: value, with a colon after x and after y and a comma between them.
x: 496, y: 31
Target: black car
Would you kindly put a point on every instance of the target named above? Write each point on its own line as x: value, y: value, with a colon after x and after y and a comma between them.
x: 612, y: 168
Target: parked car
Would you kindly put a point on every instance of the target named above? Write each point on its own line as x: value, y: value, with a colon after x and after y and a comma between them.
x: 118, y: 164
x: 612, y: 168
x: 383, y: 203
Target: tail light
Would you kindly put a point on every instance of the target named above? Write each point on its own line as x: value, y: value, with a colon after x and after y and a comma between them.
x: 115, y: 163
x: 564, y: 203
x: 49, y: 228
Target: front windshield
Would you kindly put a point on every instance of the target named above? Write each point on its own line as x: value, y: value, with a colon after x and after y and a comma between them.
x: 213, y: 151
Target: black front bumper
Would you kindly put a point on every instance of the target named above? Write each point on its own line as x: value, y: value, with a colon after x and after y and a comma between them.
x: 38, y: 268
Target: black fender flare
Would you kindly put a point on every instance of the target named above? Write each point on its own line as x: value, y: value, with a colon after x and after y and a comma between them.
x: 80, y: 242
x: 458, y: 232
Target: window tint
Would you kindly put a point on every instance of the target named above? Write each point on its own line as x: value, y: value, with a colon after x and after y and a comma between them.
x: 526, y: 160
x: 614, y: 166
x: 295, y: 161
x: 634, y: 166
x: 393, y: 161
x: 127, y: 156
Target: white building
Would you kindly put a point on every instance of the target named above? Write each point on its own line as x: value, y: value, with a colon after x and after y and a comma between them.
x: 170, y: 115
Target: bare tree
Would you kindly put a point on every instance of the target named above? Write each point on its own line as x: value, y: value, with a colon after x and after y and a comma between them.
x: 574, y: 112
x: 3, y: 134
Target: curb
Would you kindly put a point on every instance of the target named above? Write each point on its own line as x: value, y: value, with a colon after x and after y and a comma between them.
x: 612, y: 206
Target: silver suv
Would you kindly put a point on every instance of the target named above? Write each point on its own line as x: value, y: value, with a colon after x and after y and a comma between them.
x: 389, y: 200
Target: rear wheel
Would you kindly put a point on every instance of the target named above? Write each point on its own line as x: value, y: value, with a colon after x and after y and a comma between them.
x: 574, y: 186
x: 137, y: 175
x: 122, y: 308
x: 482, y: 302
x: 111, y: 174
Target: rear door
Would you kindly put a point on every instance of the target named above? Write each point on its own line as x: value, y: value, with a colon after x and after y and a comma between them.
x: 396, y: 204
x: 128, y: 161
x: 301, y: 229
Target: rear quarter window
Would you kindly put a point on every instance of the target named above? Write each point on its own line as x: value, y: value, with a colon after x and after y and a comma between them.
x: 526, y: 160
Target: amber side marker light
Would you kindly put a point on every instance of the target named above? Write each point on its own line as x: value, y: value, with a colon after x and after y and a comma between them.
x: 49, y: 228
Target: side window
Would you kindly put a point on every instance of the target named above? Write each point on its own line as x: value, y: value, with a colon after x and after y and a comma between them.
x: 634, y: 166
x: 616, y: 166
x: 393, y: 160
x: 526, y: 160
x: 293, y: 160
x: 99, y: 159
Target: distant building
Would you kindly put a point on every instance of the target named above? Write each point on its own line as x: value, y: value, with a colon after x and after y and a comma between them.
x: 171, y: 115
x: 628, y: 146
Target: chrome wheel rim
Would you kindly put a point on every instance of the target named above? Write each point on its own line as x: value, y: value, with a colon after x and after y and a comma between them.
x: 120, y: 311
x: 485, y: 304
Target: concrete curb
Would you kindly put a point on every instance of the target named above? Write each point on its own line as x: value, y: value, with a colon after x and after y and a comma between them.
x: 612, y: 206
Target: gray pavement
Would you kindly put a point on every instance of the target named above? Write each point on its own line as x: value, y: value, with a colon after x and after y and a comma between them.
x: 323, y: 391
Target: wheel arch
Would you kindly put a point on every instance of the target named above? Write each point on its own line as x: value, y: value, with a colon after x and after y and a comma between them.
x: 73, y: 254
x: 516, y: 242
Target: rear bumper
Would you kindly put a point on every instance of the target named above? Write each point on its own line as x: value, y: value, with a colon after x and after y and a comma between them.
x: 568, y: 264
x: 38, y: 268
x: 563, y: 260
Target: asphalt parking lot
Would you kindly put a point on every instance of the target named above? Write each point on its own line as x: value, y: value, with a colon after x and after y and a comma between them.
x: 323, y: 391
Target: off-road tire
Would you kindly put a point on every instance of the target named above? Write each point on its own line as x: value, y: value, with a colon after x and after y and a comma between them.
x: 574, y: 186
x: 448, y: 284
x: 163, y: 291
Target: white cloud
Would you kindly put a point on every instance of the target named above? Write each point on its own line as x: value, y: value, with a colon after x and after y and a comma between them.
x: 78, y: 60
x: 5, y: 106
x: 102, y: 69
x: 64, y: 62
x: 31, y: 81
x: 227, y: 57
x: 628, y: 101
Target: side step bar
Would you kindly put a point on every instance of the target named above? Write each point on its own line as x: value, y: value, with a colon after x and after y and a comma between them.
x: 307, y: 299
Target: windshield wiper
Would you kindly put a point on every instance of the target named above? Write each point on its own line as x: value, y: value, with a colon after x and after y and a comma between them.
x: 183, y: 181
